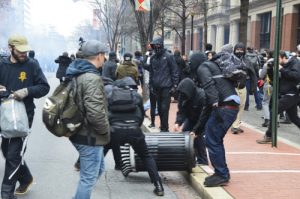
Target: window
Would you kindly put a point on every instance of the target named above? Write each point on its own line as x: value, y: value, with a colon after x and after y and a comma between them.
x: 265, y: 30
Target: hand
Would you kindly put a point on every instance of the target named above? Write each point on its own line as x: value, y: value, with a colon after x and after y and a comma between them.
x: 216, y: 104
x: 20, y: 94
x: 2, y: 88
x: 173, y: 90
x: 176, y: 128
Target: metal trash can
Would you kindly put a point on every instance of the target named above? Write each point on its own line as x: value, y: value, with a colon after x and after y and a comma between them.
x: 171, y: 152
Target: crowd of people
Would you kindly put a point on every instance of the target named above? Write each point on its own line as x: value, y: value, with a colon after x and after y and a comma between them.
x: 212, y: 91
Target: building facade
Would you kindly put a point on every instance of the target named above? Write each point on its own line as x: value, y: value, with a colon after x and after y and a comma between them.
x: 223, y: 25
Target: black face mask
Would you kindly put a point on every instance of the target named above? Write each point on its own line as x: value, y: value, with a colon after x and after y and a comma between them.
x: 239, y: 54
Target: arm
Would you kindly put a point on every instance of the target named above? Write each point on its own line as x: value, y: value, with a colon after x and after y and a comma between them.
x: 95, y: 105
x: 263, y: 72
x: 40, y: 86
x: 292, y: 73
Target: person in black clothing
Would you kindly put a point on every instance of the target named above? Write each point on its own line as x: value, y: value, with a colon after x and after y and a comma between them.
x: 110, y: 66
x: 222, y: 105
x: 164, y: 79
x: 24, y: 79
x: 289, y: 69
x: 191, y: 101
x: 126, y: 128
x: 182, y: 67
x: 63, y: 62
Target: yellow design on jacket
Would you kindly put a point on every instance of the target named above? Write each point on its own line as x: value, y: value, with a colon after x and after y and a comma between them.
x: 22, y: 76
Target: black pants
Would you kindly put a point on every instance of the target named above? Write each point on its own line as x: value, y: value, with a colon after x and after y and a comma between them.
x: 153, y: 102
x: 136, y: 139
x: 199, y: 143
x: 163, y: 97
x: 11, y: 149
x: 288, y: 104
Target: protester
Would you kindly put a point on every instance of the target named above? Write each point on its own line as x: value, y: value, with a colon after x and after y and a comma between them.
x: 91, y: 99
x: 24, y: 78
x: 221, y: 111
x: 164, y: 79
x: 127, y: 68
x: 191, y: 101
x: 289, y: 69
x: 110, y: 66
x: 63, y: 62
x: 125, y: 121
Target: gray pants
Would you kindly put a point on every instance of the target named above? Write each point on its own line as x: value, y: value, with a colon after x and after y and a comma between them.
x: 267, y: 89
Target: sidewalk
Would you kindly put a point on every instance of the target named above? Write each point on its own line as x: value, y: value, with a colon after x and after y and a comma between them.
x: 257, y: 171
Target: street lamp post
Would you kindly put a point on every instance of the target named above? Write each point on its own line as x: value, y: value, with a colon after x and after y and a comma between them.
x: 192, y: 31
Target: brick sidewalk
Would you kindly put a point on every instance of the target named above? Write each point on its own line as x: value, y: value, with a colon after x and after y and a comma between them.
x: 257, y: 171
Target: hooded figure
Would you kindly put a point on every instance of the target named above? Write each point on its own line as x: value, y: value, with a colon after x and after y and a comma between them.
x: 196, y: 60
x: 158, y: 46
x: 191, y: 101
x: 63, y: 63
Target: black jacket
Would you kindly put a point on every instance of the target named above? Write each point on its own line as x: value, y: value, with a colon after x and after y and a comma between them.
x: 290, y: 77
x: 63, y: 64
x: 182, y: 67
x: 15, y: 76
x: 163, y: 69
x: 109, y: 69
x: 216, y: 89
x: 190, y: 103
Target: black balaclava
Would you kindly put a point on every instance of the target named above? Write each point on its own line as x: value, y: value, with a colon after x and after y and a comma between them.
x: 239, y: 54
x: 157, y: 45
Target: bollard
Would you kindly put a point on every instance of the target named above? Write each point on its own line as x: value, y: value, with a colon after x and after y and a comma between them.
x: 171, y: 152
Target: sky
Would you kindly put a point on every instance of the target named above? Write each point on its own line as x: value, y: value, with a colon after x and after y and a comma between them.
x: 64, y: 15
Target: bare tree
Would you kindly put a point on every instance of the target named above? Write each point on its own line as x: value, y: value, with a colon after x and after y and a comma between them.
x: 112, y: 15
x: 146, y: 20
x: 244, y: 8
x: 180, y: 10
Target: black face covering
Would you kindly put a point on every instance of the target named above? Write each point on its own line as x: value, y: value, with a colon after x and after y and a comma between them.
x: 239, y: 54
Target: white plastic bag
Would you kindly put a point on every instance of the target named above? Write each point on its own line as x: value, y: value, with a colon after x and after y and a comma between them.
x: 13, y: 119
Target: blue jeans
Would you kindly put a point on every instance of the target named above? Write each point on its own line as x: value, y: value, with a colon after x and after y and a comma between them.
x: 91, y: 167
x: 216, y: 128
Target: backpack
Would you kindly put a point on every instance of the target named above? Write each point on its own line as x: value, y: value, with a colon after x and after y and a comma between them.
x: 123, y: 107
x: 232, y: 68
x: 61, y: 114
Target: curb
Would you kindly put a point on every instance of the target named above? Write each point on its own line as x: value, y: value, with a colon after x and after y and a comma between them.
x: 197, y: 177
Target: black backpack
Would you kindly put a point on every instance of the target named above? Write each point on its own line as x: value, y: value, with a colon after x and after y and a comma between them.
x: 232, y: 68
x: 61, y: 114
x: 123, y: 107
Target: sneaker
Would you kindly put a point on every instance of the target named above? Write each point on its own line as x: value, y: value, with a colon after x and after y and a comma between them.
x: 265, y: 140
x: 215, y: 181
x: 237, y: 130
x: 23, y: 189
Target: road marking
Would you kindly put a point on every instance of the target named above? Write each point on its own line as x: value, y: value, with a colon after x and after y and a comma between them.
x: 262, y: 153
x: 209, y: 170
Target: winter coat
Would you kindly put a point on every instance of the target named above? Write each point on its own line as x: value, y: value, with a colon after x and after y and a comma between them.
x: 109, y: 69
x: 63, y: 63
x: 127, y: 69
x: 289, y: 77
x: 216, y: 89
x: 92, y: 103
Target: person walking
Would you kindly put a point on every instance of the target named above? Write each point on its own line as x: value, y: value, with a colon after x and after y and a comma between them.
x: 89, y: 141
x: 23, y: 78
x: 127, y: 68
x: 63, y: 62
x: 110, y: 66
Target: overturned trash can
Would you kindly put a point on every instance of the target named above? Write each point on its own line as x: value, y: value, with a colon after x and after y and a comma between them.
x: 171, y: 152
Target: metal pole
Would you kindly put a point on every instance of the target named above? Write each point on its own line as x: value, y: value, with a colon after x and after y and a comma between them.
x: 192, y: 32
x: 278, y: 29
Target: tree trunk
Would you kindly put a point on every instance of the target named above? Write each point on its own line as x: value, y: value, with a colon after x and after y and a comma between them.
x: 244, y: 8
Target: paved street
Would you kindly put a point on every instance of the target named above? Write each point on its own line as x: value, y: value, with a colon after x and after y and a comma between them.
x: 51, y: 161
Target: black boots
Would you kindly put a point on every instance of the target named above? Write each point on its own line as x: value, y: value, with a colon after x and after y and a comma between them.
x: 7, y: 192
x: 266, y: 123
x: 159, y: 189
